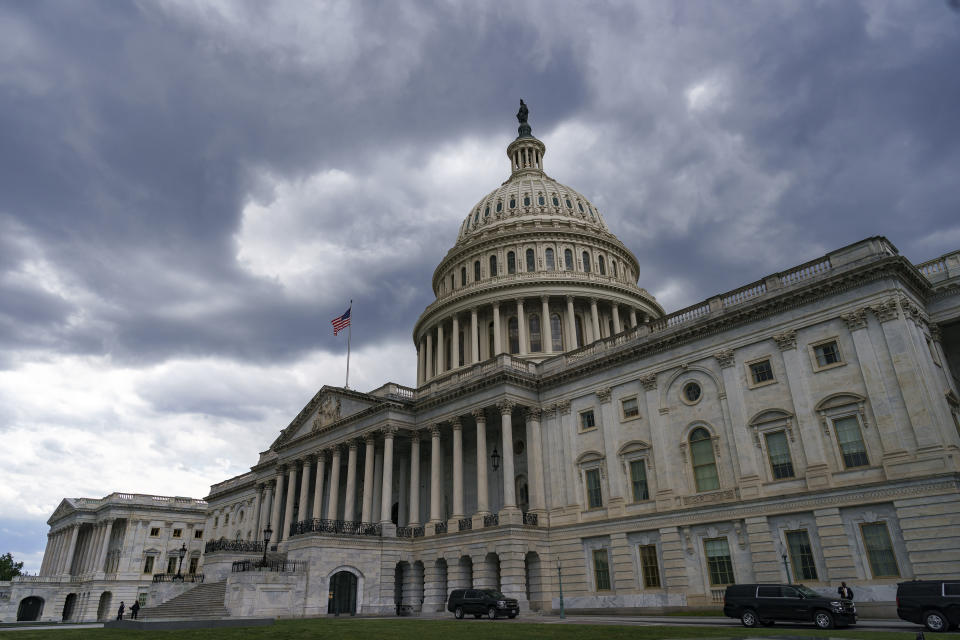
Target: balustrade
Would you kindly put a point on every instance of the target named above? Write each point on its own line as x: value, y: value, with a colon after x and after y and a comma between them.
x: 530, y: 518
x: 341, y: 527
x: 276, y: 566
x: 465, y: 524
x: 441, y: 527
x: 183, y: 577
x: 492, y: 520
x: 241, y: 546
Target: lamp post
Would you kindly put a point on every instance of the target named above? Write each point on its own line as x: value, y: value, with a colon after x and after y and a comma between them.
x: 560, y: 583
x: 266, y: 542
x: 182, y: 552
x: 786, y: 567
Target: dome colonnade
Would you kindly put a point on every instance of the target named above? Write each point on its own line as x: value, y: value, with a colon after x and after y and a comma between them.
x: 535, y: 272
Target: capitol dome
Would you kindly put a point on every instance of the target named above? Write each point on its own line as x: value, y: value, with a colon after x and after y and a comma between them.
x: 534, y: 272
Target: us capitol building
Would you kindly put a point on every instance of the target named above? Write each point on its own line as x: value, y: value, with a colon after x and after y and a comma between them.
x: 802, y: 428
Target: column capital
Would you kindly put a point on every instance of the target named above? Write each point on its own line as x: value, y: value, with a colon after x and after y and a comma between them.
x: 563, y: 407
x: 435, y: 430
x: 604, y: 394
x: 322, y: 454
x: 533, y: 413
x: 886, y: 310
x: 370, y: 438
x: 936, y: 334
x: 352, y: 443
x: 786, y: 340
x: 415, y: 436
x: 545, y: 299
x: 724, y: 358
x: 389, y: 431
x: 506, y: 407
x: 455, y: 424
x: 496, y: 305
x: 649, y: 381
x: 480, y: 415
x: 856, y: 319
x: 594, y: 300
x: 570, y: 298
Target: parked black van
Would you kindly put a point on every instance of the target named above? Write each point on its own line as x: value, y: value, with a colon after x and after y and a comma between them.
x: 481, y: 602
x: 768, y: 603
x: 933, y: 603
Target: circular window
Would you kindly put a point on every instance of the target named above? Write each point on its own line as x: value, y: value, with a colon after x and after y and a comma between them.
x: 691, y: 393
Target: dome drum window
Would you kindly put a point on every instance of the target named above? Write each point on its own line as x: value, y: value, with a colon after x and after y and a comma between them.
x: 499, y: 207
x: 541, y: 200
x: 513, y: 203
x: 556, y: 202
x: 586, y: 262
x: 531, y: 261
x: 486, y: 212
x: 569, y: 204
x: 551, y: 263
x: 526, y: 201
x: 511, y: 262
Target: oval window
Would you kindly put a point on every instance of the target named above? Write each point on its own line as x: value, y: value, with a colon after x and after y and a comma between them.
x: 526, y: 201
x: 556, y: 202
x: 486, y: 212
x: 499, y: 207
x: 513, y: 203
x: 569, y: 205
x: 541, y: 201
x: 691, y: 392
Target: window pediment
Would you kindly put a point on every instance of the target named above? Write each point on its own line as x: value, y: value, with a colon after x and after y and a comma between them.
x: 588, y: 457
x: 634, y: 446
x: 839, y: 400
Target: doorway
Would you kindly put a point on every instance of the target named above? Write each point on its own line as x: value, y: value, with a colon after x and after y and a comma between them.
x: 343, y: 593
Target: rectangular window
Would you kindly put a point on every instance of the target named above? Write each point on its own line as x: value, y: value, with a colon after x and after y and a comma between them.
x: 172, y: 565
x: 587, y: 420
x: 198, y: 534
x: 761, y: 372
x: 630, y: 407
x: 801, y: 555
x: 154, y: 532
x: 193, y: 565
x: 142, y: 599
x: 148, y: 564
x: 648, y: 566
x: 778, y: 451
x: 601, y: 570
x: 177, y: 533
x: 594, y: 496
x: 827, y: 353
x: 852, y: 449
x: 719, y: 564
x: 876, y: 540
x: 638, y: 479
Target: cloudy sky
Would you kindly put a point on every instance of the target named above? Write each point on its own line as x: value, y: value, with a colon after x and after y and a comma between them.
x: 190, y: 191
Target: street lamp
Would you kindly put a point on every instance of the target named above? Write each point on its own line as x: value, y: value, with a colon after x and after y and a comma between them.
x: 495, y: 457
x: 786, y: 567
x: 266, y: 542
x: 183, y: 552
x: 560, y: 583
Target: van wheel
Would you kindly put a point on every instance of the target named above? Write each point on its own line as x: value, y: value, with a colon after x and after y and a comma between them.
x: 749, y: 618
x: 823, y: 619
x: 492, y: 613
x: 934, y: 621
x: 458, y: 613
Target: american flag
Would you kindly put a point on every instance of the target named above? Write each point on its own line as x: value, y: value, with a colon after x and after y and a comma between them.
x: 342, y: 322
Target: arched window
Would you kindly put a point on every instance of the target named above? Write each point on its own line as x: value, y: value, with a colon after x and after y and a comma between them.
x: 452, y: 282
x: 601, y: 265
x: 513, y: 331
x: 578, y: 322
x: 613, y: 268
x: 490, y: 345
x: 704, y: 464
x: 556, y: 332
x: 551, y: 263
x: 463, y: 276
x: 568, y: 259
x: 476, y: 271
x: 526, y: 201
x: 586, y: 262
x: 511, y: 262
x: 513, y: 203
x: 536, y: 344
x: 447, y: 353
x: 531, y: 263
x: 493, y: 266
x: 499, y: 207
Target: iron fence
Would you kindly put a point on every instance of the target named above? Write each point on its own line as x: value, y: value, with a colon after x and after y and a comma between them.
x: 277, y: 566
x: 530, y: 518
x: 466, y: 524
x: 183, y: 577
x: 348, y: 527
x: 491, y: 520
x: 241, y: 546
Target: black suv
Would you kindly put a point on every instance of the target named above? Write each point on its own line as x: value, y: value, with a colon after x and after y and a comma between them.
x: 933, y: 603
x: 481, y: 602
x: 767, y: 603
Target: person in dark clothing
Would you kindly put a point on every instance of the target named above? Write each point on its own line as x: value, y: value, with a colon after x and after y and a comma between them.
x: 845, y: 592
x: 134, y: 609
x: 120, y: 611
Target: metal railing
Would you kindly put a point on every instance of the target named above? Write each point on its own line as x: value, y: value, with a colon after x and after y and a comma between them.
x: 465, y: 524
x: 441, y: 527
x: 276, y: 566
x: 492, y: 520
x: 530, y: 518
x: 183, y: 577
x: 241, y: 546
x: 342, y: 527
x: 410, y: 532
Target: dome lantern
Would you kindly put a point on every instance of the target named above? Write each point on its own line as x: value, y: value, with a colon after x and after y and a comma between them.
x: 526, y: 152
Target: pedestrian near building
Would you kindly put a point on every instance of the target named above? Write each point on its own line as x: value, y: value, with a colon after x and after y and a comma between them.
x: 134, y: 608
x: 845, y: 592
x: 120, y: 611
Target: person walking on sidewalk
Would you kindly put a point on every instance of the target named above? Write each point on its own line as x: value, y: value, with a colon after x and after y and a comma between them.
x: 134, y: 608
x: 120, y: 611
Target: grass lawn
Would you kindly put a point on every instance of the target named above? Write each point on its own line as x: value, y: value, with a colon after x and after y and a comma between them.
x: 410, y: 629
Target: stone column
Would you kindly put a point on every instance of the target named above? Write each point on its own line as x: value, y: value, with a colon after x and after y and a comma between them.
x: 377, y: 483
x: 429, y: 368
x: 332, y: 502
x: 105, y: 546
x: 366, y: 510
x: 535, y: 462
x: 255, y: 515
x: 497, y: 340
x: 633, y: 317
x: 386, y: 492
x: 318, y: 487
x: 483, y: 500
x: 74, y: 532
x: 435, y: 474
x: 441, y: 345
x: 288, y: 507
x: 594, y: 319
x: 302, y: 509
x: 506, y: 429
x: 350, y: 499
x: 263, y: 518
x: 421, y: 370
x: 275, y: 509
x: 522, y: 328
x: 658, y: 435
x: 474, y: 337
x: 546, y: 330
x: 47, y: 553
x: 616, y: 317
x: 743, y: 446
x: 455, y: 343
x: 571, y: 325
x: 414, y: 516
x: 457, y: 469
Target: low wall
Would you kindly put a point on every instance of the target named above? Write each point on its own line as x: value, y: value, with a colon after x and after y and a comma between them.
x: 266, y: 594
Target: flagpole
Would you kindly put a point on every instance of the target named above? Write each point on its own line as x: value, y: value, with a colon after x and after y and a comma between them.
x: 346, y: 384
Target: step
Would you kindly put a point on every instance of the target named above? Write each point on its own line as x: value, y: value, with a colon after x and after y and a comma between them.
x: 202, y: 601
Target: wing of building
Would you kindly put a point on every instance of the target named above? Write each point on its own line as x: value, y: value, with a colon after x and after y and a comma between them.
x: 801, y: 428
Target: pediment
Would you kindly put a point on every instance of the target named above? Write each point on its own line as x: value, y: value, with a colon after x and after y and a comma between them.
x: 589, y: 456
x: 633, y: 447
x: 329, y: 406
x: 770, y: 415
x: 64, y: 509
x: 837, y: 400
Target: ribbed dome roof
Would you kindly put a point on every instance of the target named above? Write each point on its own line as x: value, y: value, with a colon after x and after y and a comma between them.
x: 528, y: 194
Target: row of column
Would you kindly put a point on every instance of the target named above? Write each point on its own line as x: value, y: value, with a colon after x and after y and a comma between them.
x: 63, y: 557
x: 432, y: 359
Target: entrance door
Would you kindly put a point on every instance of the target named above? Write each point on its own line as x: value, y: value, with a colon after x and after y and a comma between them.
x: 68, y: 606
x: 343, y: 593
x: 30, y: 609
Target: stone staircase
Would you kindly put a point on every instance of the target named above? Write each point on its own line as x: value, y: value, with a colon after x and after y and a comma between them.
x: 203, y: 601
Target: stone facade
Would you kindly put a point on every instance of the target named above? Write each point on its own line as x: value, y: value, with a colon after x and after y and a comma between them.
x: 801, y: 428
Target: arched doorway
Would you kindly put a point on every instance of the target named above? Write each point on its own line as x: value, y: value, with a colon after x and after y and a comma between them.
x: 68, y: 606
x: 343, y: 593
x: 30, y: 609
x: 103, y: 609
